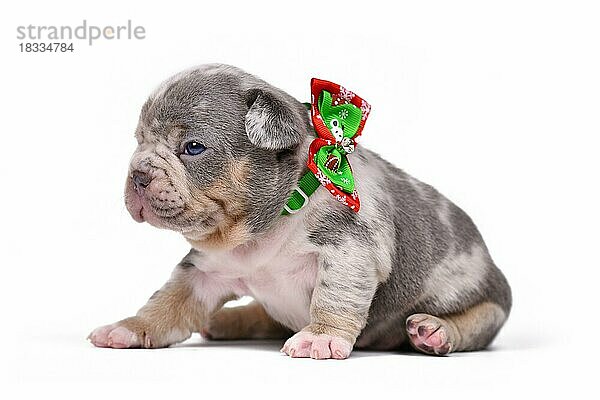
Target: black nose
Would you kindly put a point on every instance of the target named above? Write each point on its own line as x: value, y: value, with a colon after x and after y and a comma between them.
x: 140, y: 179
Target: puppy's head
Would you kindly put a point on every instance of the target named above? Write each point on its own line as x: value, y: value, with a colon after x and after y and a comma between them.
x: 218, y: 155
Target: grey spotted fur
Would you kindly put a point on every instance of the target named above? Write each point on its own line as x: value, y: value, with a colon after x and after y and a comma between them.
x: 409, y: 250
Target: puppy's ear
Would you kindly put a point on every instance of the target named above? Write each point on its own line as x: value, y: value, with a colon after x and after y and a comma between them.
x: 273, y: 122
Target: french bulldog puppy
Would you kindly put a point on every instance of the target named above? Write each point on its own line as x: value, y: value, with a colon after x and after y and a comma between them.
x: 219, y: 153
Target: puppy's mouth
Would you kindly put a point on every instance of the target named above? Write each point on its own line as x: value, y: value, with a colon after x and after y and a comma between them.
x: 163, y: 211
x: 153, y: 214
x: 166, y: 213
x: 153, y: 211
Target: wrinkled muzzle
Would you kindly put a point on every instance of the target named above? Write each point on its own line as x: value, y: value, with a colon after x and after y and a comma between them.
x: 150, y: 192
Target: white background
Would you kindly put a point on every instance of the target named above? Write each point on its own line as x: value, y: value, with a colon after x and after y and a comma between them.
x: 494, y: 103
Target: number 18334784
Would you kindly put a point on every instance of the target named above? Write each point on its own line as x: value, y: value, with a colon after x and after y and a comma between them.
x: 52, y: 47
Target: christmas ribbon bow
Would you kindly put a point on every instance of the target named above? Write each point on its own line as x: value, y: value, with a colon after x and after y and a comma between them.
x: 338, y: 116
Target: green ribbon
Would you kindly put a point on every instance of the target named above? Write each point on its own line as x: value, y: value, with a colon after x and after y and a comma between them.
x: 347, y: 116
x: 342, y: 121
x: 332, y: 161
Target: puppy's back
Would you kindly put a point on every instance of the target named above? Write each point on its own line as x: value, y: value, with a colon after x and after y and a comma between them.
x: 440, y: 264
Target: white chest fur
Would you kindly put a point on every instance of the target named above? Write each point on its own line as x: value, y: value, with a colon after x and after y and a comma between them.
x: 279, y: 271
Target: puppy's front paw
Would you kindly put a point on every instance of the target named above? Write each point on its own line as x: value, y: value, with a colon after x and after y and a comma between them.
x: 129, y: 333
x: 318, y: 346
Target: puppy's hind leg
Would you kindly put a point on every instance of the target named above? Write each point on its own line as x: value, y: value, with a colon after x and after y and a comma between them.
x: 472, y: 329
x: 245, y: 322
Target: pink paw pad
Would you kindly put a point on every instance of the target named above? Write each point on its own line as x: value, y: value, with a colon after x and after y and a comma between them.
x: 318, y: 347
x: 429, y: 334
x: 117, y: 337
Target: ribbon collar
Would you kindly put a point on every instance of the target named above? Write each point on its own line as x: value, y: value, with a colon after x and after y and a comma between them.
x: 338, y: 116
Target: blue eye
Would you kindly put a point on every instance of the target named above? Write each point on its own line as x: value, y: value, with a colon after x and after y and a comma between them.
x: 194, y: 148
